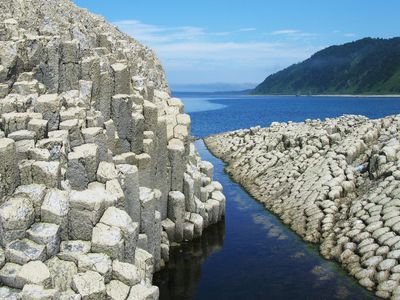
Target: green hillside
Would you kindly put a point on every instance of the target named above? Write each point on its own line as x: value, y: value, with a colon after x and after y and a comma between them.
x: 366, y: 66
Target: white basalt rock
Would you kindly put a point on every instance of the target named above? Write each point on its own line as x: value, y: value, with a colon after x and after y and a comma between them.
x: 82, y: 166
x: 176, y: 208
x: 16, y: 216
x: 8, y: 274
x: 72, y: 250
x: 141, y: 291
x: 86, y: 209
x: 55, y: 210
x: 49, y: 106
x: 8, y: 165
x: 106, y: 172
x: 116, y: 290
x: 37, y: 292
x: 97, y: 262
x: 118, y: 218
x: 34, y: 272
x: 7, y: 293
x: 144, y: 262
x: 90, y: 285
x: 125, y: 272
x: 24, y: 251
x: 97, y: 167
x: 61, y: 273
x: 129, y: 179
x: 47, y: 234
x: 36, y: 193
x: 109, y: 240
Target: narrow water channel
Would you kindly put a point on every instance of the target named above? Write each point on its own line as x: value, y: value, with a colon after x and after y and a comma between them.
x: 251, y: 256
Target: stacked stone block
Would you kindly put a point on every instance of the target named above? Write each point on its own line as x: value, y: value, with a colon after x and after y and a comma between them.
x: 93, y: 159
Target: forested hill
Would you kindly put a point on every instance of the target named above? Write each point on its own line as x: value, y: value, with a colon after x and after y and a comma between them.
x: 366, y: 66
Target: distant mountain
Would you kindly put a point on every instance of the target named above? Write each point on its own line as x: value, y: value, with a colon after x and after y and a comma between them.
x: 366, y: 66
x: 212, y: 87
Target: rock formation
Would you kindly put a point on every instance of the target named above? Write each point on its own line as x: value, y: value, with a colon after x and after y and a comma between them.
x: 98, y: 175
x: 335, y: 183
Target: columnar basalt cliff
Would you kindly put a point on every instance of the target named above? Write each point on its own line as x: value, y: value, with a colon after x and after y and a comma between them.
x: 97, y: 172
x: 335, y: 183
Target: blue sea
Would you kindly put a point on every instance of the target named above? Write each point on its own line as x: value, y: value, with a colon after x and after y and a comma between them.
x: 215, y: 114
x: 252, y: 255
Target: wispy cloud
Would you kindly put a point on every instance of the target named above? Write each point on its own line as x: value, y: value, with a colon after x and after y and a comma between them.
x: 232, y: 56
x: 285, y: 32
x: 293, y: 33
x: 247, y: 29
x: 159, y: 34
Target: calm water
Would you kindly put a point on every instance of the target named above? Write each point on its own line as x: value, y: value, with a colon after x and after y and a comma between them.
x: 252, y: 255
x: 216, y: 114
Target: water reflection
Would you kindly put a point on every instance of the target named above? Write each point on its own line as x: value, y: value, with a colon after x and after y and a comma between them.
x: 199, y: 105
x: 180, y: 279
x: 252, y: 256
x: 273, y: 231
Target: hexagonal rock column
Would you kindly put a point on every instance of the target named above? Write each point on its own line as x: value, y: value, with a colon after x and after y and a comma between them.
x: 16, y: 216
x: 9, y: 172
x: 55, y: 210
x: 121, y: 78
x: 49, y: 105
x: 130, y: 230
x: 121, y: 114
x: 129, y: 179
x: 69, y: 66
x: 86, y: 209
x: 82, y: 166
x: 176, y: 209
x: 147, y: 223
x: 176, y: 152
x: 90, y: 285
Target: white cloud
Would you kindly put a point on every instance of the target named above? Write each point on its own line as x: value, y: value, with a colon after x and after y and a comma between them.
x: 285, y: 32
x: 193, y: 54
x: 293, y: 33
x: 247, y: 29
x: 158, y: 34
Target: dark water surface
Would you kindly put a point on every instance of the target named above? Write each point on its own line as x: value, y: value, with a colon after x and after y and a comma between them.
x: 253, y: 255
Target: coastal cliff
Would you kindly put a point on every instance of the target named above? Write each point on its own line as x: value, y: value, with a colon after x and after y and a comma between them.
x: 98, y: 176
x: 334, y: 182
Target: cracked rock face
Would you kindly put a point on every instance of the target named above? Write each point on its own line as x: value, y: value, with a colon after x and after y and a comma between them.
x: 334, y: 182
x: 97, y: 172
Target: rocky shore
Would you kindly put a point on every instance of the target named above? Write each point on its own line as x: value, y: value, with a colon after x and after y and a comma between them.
x: 334, y: 182
x: 98, y: 177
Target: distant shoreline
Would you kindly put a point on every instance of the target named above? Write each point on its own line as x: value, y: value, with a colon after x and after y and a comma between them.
x: 243, y: 93
x: 343, y: 96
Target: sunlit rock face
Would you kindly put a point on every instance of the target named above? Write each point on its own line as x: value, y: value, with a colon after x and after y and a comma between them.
x: 334, y: 182
x: 98, y: 175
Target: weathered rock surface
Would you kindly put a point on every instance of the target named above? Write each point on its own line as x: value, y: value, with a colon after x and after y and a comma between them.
x: 334, y: 182
x: 94, y: 153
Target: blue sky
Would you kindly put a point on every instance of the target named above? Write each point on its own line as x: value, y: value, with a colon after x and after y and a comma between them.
x: 236, y: 41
